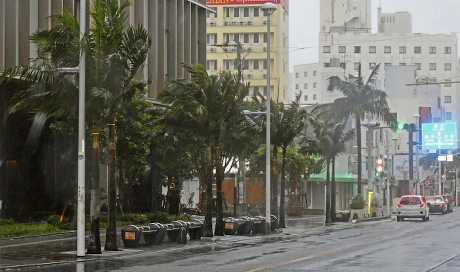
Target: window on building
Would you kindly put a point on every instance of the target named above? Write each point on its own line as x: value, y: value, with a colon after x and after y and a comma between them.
x: 246, y: 12
x: 447, y: 66
x: 227, y: 64
x: 314, y: 97
x: 255, y: 64
x: 314, y: 73
x: 402, y: 64
x: 265, y: 12
x: 245, y: 64
x: 265, y: 38
x: 402, y: 50
x: 418, y: 66
x: 305, y: 97
x: 265, y: 64
x: 314, y: 85
x: 448, y: 99
x: 387, y: 50
x: 256, y: 90
x: 227, y: 12
x: 297, y: 86
x: 327, y: 65
x: 256, y: 37
x: 342, y: 49
x: 448, y: 50
x: 417, y: 50
x: 236, y: 37
x: 211, y: 65
x: 296, y: 75
x: 326, y: 49
x: 432, y: 66
x: 357, y: 66
x: 372, y: 65
x: 246, y: 38
x: 305, y: 74
x: 372, y: 49
x: 432, y: 50
x: 236, y: 12
x: 448, y: 84
x: 305, y: 86
x: 357, y: 49
x: 388, y: 64
x: 448, y: 115
x: 226, y: 38
x: 343, y: 65
x: 211, y: 39
x: 256, y: 12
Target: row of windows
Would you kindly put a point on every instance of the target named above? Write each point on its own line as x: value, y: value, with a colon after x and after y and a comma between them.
x: 431, y: 66
x: 305, y: 74
x: 239, y: 38
x: 252, y: 64
x: 305, y: 97
x: 236, y: 12
x: 305, y: 86
x: 387, y: 49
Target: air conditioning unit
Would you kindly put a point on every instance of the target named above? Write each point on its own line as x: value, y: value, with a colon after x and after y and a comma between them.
x: 250, y: 23
x: 226, y: 23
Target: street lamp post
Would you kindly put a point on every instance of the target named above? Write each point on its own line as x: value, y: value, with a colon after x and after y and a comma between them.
x: 81, y: 139
x: 417, y: 137
x: 269, y: 8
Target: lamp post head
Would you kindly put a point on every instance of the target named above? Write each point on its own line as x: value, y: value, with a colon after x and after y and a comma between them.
x: 270, y: 7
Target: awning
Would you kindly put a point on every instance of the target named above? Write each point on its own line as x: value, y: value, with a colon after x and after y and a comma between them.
x: 339, y: 178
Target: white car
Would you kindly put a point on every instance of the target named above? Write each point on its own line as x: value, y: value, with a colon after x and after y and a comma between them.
x: 412, y: 206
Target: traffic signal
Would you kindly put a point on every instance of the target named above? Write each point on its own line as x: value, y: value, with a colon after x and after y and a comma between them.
x: 380, y: 167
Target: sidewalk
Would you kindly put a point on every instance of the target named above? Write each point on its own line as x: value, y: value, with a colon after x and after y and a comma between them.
x: 57, y: 249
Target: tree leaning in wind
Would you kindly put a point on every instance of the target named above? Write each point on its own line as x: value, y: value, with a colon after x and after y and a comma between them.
x: 115, y: 55
x: 360, y: 98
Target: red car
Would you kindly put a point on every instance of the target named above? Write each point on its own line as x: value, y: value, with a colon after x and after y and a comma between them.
x: 437, y: 204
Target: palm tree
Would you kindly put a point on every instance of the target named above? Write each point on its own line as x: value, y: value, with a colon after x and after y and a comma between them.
x: 115, y: 55
x: 209, y: 109
x: 288, y: 126
x: 339, y: 137
x: 360, y: 98
x: 320, y: 143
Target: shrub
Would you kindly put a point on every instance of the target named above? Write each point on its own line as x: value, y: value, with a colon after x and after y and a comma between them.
x: 53, y: 220
x: 6, y: 222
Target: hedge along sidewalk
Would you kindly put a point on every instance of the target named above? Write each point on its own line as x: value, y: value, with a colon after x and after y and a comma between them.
x: 12, y: 230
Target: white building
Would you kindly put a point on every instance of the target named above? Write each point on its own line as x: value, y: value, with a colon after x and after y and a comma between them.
x: 398, y: 22
x: 307, y: 81
x: 345, y: 15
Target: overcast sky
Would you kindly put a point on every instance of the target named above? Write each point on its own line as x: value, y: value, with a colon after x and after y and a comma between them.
x: 429, y: 16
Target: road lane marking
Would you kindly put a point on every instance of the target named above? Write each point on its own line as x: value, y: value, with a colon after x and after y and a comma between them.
x: 446, y: 261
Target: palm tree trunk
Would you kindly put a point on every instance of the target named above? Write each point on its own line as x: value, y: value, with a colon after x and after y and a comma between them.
x: 358, y: 144
x: 219, y: 230
x: 207, y: 232
x: 283, y: 190
x: 111, y: 233
x: 328, y: 189
x: 333, y: 191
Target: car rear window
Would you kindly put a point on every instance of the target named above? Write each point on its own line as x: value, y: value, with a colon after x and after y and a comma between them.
x: 410, y: 201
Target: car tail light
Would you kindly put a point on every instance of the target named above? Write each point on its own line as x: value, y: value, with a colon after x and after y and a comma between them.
x: 398, y: 205
x: 422, y: 204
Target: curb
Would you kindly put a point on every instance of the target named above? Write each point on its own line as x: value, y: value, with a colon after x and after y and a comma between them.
x: 371, y: 219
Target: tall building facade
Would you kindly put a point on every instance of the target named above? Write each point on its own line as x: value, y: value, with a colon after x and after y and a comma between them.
x: 177, y: 28
x: 244, y: 22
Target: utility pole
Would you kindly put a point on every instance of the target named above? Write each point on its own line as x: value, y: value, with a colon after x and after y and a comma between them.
x: 81, y: 139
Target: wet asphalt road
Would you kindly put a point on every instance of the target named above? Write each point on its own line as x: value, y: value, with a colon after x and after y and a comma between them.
x: 372, y: 246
